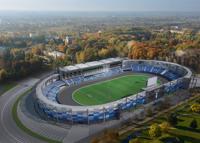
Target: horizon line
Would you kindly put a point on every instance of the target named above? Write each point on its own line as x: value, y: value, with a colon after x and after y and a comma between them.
x: 17, y: 10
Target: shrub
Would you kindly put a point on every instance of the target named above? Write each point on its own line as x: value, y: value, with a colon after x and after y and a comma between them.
x: 195, y: 108
x: 155, y: 130
x: 164, y: 126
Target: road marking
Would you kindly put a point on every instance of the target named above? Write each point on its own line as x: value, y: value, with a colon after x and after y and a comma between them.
x: 100, y: 82
x: 2, y: 115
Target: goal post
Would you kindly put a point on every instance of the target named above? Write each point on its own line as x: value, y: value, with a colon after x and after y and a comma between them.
x: 151, y: 82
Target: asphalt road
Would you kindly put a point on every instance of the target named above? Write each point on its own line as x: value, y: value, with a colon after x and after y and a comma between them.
x: 9, y: 132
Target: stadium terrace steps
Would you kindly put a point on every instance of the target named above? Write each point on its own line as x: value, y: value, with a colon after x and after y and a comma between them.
x: 79, y: 79
x: 178, y: 79
x: 52, y: 89
x: 170, y: 75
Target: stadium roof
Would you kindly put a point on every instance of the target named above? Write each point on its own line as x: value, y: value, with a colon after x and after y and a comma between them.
x: 70, y: 68
x: 81, y: 65
x: 90, y: 64
x: 110, y: 60
x: 94, y: 64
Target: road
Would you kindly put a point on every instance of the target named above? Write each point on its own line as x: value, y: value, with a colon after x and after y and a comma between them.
x: 9, y: 132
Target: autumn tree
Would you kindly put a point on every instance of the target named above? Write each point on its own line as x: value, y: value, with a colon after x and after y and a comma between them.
x: 36, y: 51
x: 195, y: 107
x: 155, y: 130
x: 103, y: 53
x: 19, y: 62
x: 62, y: 48
x: 164, y: 126
x: 3, y: 74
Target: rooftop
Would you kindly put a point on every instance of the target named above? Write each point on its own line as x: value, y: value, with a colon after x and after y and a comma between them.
x: 90, y: 64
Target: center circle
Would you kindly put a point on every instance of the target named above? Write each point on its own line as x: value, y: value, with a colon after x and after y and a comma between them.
x: 104, y: 90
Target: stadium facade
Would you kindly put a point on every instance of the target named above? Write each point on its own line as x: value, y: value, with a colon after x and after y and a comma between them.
x: 48, y: 89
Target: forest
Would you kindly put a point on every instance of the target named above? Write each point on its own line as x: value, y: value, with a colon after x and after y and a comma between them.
x: 27, y: 56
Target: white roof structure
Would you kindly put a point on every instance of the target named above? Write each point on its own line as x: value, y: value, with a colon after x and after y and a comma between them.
x: 82, y: 66
x: 90, y: 64
x: 110, y: 60
x: 56, y: 54
x: 77, y: 109
x: 94, y: 64
x: 70, y: 68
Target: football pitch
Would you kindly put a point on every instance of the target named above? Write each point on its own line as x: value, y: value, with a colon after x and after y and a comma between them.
x: 110, y: 90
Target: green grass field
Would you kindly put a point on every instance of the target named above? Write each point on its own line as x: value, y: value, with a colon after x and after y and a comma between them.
x: 110, y: 90
x: 182, y: 130
x: 5, y: 87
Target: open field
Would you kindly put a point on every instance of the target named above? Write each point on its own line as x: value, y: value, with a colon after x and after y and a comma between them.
x: 110, y: 90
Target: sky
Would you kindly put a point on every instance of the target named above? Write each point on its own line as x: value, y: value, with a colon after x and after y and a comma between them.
x: 100, y: 5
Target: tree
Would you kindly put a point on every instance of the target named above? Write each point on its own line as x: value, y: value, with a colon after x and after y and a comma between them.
x: 3, y: 74
x: 103, y: 53
x: 37, y: 50
x: 164, y: 126
x: 155, y: 130
x: 195, y: 107
x: 172, y: 119
x: 193, y: 124
x: 62, y: 48
x: 19, y: 62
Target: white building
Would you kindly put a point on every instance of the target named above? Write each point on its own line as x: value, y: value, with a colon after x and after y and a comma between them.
x: 56, y: 54
x: 69, y: 39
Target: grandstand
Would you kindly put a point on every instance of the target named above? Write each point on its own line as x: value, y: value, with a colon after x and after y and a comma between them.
x: 76, y: 76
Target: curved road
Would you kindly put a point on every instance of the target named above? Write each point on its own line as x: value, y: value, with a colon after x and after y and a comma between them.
x: 9, y: 132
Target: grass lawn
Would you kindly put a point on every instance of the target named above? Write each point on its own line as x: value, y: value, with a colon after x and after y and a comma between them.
x: 110, y: 90
x: 6, y: 86
x: 23, y: 127
x: 182, y: 130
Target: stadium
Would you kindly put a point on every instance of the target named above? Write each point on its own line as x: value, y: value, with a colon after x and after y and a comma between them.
x: 101, y: 90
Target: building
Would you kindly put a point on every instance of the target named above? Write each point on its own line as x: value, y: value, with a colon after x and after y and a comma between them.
x: 90, y: 68
x: 69, y: 39
x: 47, y: 91
x: 56, y: 54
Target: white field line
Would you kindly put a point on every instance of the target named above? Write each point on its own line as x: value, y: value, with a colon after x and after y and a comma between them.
x: 99, y: 83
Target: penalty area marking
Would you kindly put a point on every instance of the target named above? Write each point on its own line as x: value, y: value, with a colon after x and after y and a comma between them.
x: 73, y: 98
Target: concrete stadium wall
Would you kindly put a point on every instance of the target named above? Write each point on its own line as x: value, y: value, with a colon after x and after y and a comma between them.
x: 98, y: 113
